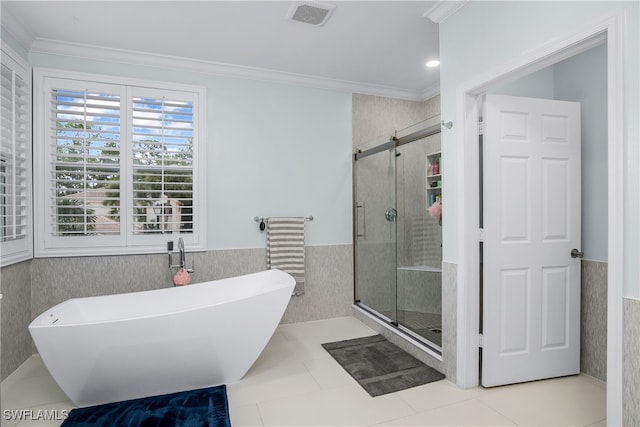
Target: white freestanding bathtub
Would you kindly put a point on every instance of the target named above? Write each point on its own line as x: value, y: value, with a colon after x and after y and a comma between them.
x: 119, y: 347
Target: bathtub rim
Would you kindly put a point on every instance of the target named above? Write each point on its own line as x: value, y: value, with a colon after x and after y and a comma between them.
x: 282, y: 281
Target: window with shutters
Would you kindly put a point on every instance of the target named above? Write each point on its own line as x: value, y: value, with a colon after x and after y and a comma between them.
x: 119, y: 164
x: 15, y: 160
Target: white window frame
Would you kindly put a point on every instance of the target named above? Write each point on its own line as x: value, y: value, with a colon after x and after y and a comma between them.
x: 18, y: 250
x: 48, y: 245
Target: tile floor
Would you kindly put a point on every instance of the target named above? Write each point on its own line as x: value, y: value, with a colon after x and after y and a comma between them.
x: 296, y: 383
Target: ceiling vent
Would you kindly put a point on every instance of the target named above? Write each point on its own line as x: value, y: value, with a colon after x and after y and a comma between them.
x: 311, y: 13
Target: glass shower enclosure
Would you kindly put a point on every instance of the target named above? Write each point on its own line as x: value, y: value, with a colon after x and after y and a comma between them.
x: 398, y: 234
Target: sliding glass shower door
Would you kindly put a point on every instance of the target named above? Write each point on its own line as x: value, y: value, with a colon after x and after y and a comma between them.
x: 398, y: 242
x: 375, y: 221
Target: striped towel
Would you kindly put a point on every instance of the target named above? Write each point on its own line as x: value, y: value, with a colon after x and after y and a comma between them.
x: 285, y: 248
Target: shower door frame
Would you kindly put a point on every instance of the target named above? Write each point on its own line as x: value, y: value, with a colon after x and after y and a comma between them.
x: 392, y: 324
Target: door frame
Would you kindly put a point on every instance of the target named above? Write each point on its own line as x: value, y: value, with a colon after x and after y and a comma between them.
x: 610, y: 30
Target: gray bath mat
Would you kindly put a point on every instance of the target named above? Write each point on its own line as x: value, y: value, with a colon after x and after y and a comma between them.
x: 379, y: 366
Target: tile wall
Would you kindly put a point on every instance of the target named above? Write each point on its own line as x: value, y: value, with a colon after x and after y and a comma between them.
x: 631, y: 363
x: 31, y: 287
x: 593, y: 328
x: 16, y: 316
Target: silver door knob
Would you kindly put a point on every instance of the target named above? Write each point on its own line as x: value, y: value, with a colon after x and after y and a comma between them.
x: 576, y: 253
x: 391, y: 214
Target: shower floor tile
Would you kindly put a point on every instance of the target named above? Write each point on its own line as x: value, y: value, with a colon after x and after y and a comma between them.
x: 296, y: 382
x: 427, y: 325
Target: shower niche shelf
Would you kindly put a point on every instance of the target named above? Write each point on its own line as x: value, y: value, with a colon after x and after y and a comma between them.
x: 434, y: 178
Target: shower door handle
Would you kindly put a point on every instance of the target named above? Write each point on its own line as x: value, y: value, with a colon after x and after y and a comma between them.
x: 361, y: 234
x: 391, y: 214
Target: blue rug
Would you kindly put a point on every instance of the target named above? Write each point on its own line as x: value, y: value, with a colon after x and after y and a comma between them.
x: 206, y: 407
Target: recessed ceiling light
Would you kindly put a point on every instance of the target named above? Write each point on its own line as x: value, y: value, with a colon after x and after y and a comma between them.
x: 433, y: 63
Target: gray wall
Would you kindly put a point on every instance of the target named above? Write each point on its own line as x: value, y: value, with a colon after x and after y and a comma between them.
x: 449, y: 319
x: 375, y: 118
x: 328, y: 290
x: 31, y: 287
x: 593, y: 319
x: 16, y: 316
x: 631, y: 363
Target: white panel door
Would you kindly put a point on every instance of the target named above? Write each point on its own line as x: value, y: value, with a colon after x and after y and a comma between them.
x: 531, y: 214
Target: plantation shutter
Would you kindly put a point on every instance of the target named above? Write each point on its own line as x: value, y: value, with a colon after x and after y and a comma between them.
x: 15, y: 162
x: 116, y: 161
x: 85, y: 170
x: 162, y: 143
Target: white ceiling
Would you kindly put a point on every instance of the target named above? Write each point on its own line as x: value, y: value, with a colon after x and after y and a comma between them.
x: 373, y: 46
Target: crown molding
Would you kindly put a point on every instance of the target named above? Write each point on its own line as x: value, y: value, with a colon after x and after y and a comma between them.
x: 16, y: 29
x: 443, y: 9
x: 430, y: 92
x: 85, y: 51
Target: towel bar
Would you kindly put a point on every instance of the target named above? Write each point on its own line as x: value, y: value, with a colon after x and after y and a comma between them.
x: 258, y: 218
x: 262, y: 220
